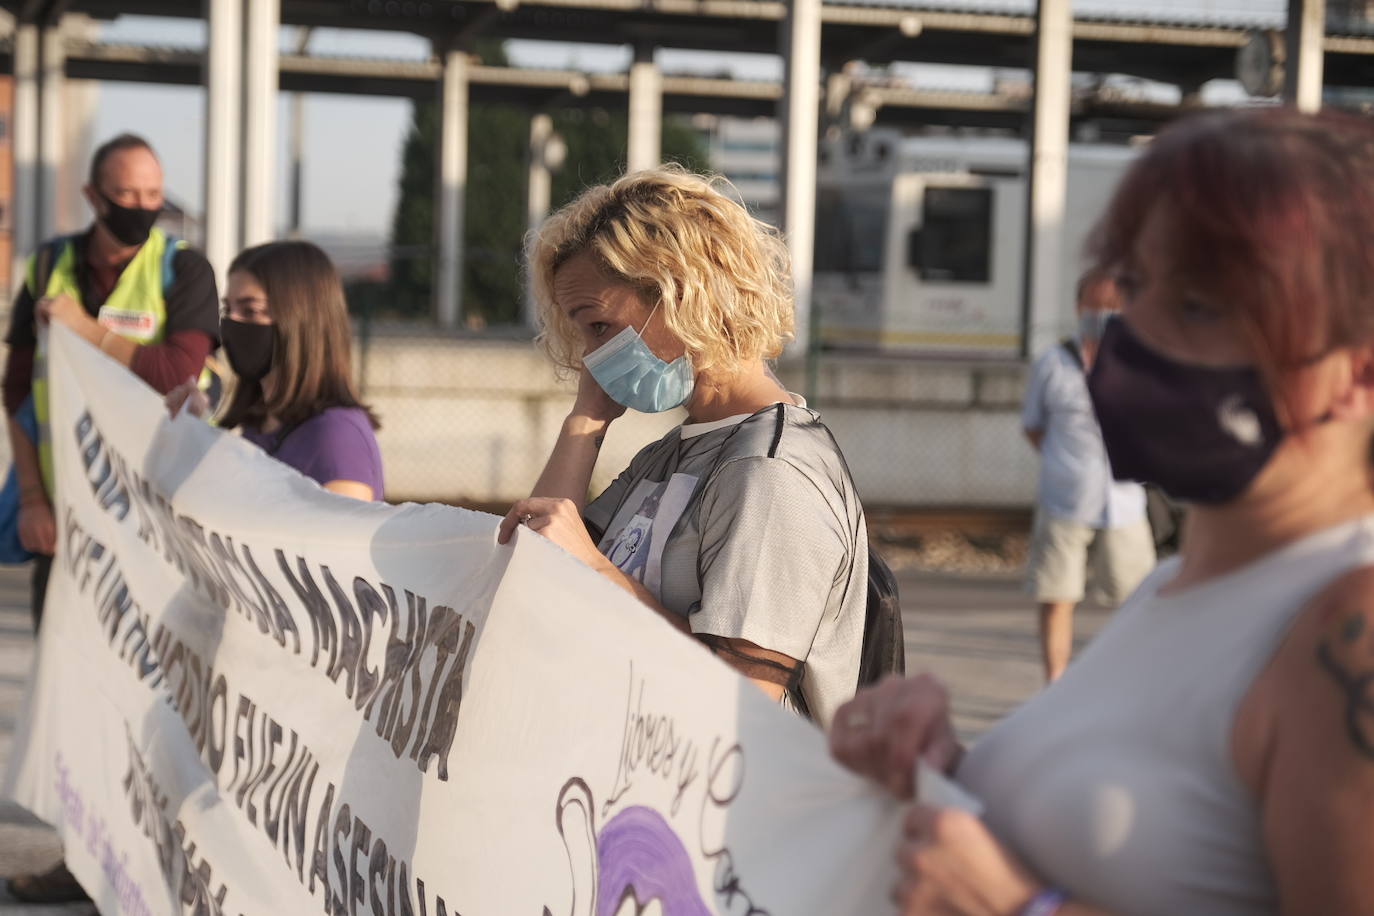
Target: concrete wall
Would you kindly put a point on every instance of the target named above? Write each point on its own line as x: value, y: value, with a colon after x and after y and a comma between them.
x: 474, y: 420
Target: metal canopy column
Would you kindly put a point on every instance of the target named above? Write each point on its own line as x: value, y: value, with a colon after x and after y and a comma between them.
x: 260, y: 121
x: 223, y: 131
x: 51, y: 91
x: 799, y: 114
x: 24, y: 141
x: 546, y: 154
x: 1305, y: 40
x: 646, y: 112
x: 453, y: 169
x: 1044, y: 285
x: 297, y: 147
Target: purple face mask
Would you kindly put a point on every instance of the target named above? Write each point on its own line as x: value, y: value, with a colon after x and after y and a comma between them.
x: 1201, y: 434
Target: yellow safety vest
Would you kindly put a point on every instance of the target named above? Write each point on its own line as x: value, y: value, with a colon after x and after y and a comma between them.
x: 135, y: 310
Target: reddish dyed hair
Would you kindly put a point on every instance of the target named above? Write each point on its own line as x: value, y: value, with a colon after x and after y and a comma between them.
x: 1273, y: 217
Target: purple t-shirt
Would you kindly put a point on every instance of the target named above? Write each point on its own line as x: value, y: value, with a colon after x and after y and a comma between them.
x: 336, y: 444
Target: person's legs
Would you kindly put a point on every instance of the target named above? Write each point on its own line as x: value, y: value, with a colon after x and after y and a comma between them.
x: 1124, y: 556
x: 42, y: 566
x: 1056, y: 637
x: 56, y: 885
x: 1056, y: 572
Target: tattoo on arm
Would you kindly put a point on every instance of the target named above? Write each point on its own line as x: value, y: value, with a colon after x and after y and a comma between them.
x: 1338, y: 656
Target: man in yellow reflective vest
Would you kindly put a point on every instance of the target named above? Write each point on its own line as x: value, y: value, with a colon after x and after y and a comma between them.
x: 144, y: 299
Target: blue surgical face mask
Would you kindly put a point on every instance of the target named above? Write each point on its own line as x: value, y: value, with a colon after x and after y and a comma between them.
x: 1092, y: 324
x: 631, y: 375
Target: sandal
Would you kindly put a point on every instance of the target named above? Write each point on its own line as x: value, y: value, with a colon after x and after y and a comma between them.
x: 56, y: 885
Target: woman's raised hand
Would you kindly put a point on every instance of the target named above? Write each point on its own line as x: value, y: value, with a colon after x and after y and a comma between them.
x: 593, y: 402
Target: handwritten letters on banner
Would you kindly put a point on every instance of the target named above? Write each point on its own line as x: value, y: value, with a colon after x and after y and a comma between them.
x: 253, y: 697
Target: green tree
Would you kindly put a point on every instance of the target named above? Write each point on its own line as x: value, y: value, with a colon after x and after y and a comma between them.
x: 412, y: 236
x: 494, y: 221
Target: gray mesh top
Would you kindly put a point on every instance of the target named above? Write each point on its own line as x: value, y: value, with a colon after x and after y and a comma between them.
x: 751, y: 528
x: 1117, y: 782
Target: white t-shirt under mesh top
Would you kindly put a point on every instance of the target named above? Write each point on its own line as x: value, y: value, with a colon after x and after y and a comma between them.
x: 751, y: 529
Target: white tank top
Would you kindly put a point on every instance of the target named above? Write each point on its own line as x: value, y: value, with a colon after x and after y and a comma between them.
x: 1116, y: 783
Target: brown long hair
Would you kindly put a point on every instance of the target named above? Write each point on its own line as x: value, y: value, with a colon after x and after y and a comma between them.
x: 312, y: 350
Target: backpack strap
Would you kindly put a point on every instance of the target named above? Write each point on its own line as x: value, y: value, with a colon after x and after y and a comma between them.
x: 759, y: 439
x: 1075, y: 352
x: 883, y: 648
x: 749, y: 445
x: 44, y: 260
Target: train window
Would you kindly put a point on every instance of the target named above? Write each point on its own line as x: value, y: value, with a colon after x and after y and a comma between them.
x: 954, y: 243
x: 830, y: 242
x: 851, y: 229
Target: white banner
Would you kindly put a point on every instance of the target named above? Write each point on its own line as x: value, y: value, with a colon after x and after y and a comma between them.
x: 255, y: 697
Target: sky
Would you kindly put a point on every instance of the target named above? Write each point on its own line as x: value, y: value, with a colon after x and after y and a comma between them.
x: 352, y: 144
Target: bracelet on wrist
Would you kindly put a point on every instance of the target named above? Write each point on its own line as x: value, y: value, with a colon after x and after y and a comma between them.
x: 1047, y: 902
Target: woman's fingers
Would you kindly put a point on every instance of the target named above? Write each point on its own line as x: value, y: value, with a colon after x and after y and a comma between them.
x: 523, y: 513
x: 176, y: 399
x: 514, y: 517
x: 197, y: 403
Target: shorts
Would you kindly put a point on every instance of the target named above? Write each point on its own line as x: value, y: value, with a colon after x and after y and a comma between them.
x: 1063, y: 551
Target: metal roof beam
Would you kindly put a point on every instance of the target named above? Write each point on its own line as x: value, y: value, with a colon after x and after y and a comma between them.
x: 541, y: 88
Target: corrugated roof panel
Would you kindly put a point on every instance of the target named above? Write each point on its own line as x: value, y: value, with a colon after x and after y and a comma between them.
x: 1229, y: 14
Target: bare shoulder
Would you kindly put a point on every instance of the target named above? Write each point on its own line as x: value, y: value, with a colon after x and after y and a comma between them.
x: 1311, y: 715
x: 1338, y: 632
x: 1313, y: 681
x: 1331, y: 642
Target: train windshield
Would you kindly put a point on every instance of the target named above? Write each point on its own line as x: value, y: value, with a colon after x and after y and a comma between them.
x: 954, y: 243
x: 851, y: 229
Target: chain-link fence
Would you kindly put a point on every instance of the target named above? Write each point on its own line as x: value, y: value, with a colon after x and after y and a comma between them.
x: 471, y: 417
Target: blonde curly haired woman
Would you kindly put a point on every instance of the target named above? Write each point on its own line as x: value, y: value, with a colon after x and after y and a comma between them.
x: 740, y: 527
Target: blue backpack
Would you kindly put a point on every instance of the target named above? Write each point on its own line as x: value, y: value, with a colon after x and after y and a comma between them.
x: 11, y: 551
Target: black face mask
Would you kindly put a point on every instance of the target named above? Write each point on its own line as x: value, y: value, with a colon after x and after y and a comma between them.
x: 130, y: 225
x: 1201, y: 434
x: 249, y: 347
